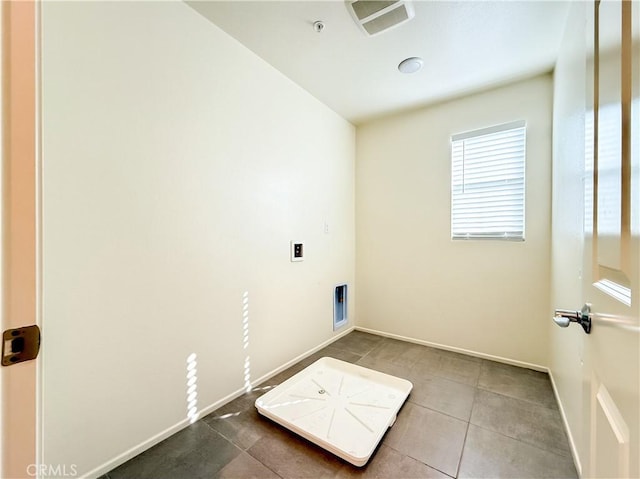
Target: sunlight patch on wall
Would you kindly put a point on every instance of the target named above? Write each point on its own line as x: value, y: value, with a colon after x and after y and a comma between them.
x: 192, y: 388
x: 245, y: 341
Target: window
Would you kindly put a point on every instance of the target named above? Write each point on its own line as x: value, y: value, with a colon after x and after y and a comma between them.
x: 487, y: 183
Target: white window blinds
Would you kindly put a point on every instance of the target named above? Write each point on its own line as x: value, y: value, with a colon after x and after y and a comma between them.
x: 487, y: 183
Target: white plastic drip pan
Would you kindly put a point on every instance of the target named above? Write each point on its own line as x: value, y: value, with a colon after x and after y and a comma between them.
x: 341, y: 407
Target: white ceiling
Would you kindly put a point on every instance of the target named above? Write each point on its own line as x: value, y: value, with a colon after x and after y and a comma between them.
x: 467, y: 46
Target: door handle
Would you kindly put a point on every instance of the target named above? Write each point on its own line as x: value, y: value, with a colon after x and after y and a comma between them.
x: 563, y: 317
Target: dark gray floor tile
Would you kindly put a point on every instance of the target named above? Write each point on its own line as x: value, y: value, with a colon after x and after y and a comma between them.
x: 143, y: 466
x: 290, y: 456
x: 516, y: 382
x: 397, y: 352
x: 536, y: 425
x: 335, y: 352
x: 387, y: 463
x: 491, y: 455
x: 358, y: 342
x: 385, y: 367
x: 428, y: 436
x: 458, y: 368
x: 202, y: 463
x: 453, y: 354
x: 194, y: 450
x: 447, y: 364
x: 448, y: 397
x: 426, y: 365
x: 239, y: 420
x: 245, y: 467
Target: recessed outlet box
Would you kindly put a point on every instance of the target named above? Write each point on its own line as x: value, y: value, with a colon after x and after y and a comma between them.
x: 339, y: 306
x: 297, y: 250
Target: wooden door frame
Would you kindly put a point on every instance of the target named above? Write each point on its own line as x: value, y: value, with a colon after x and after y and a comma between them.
x: 19, y: 255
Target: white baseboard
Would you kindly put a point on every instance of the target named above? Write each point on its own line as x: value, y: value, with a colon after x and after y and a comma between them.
x: 572, y: 443
x: 161, y: 436
x: 500, y: 359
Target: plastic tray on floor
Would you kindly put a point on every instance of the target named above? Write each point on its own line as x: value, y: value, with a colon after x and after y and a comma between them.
x: 342, y: 407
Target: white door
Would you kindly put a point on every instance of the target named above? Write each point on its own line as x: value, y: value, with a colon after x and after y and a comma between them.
x: 18, y: 253
x: 611, y: 405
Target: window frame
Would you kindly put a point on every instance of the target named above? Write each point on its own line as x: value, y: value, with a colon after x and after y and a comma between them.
x: 476, y: 134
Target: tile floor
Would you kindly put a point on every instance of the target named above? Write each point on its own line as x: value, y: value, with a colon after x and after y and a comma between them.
x: 466, y: 417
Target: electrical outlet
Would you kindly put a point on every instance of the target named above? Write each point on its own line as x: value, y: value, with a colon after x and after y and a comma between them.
x: 297, y: 250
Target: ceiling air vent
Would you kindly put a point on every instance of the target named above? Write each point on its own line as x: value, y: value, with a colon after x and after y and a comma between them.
x: 377, y: 16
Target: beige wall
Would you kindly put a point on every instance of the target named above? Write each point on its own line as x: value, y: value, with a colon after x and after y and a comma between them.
x: 177, y: 168
x: 488, y: 297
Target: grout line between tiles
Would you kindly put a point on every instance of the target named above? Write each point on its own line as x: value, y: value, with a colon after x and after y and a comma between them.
x: 265, y: 465
x: 466, y: 434
x: 418, y: 460
x: 436, y: 411
x: 464, y: 444
x: 568, y: 457
x: 533, y: 403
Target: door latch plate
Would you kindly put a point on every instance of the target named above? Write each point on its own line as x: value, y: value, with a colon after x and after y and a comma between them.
x: 20, y: 344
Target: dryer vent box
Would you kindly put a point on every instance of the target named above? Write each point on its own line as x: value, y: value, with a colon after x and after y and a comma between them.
x: 377, y: 16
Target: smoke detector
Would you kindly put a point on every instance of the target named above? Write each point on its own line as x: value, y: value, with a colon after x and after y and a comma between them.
x: 377, y: 16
